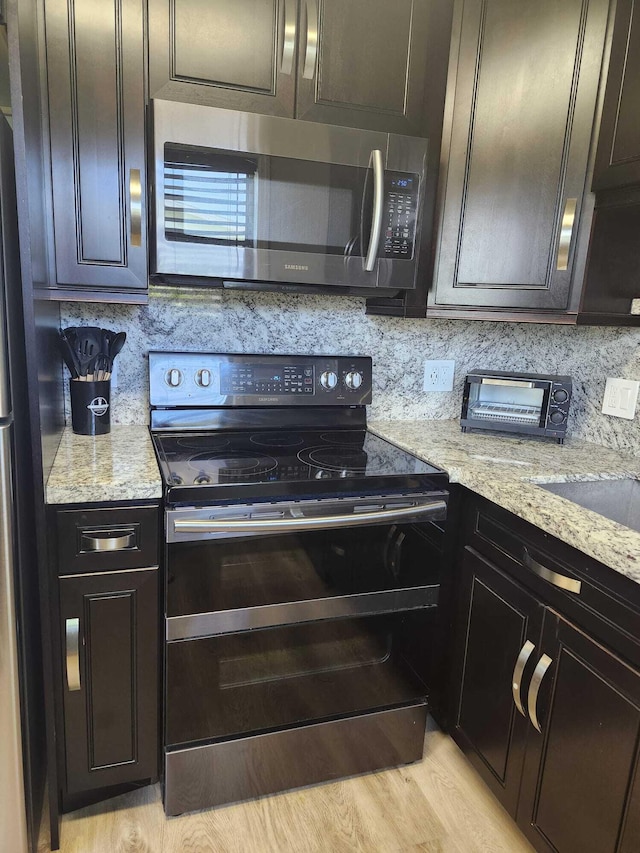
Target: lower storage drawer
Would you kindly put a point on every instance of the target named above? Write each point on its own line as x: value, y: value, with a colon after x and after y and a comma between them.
x: 230, y: 771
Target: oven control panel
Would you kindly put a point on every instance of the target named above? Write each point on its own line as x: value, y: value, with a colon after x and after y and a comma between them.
x: 185, y: 379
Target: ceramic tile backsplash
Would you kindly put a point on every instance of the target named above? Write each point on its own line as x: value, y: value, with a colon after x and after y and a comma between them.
x: 217, y: 321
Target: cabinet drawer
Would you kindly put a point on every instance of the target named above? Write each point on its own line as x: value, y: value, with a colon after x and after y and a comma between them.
x: 95, y: 540
x: 597, y: 598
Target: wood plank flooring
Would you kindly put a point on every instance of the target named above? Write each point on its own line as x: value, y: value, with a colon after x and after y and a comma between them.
x: 436, y: 806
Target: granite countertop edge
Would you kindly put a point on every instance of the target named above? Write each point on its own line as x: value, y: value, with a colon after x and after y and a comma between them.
x: 118, y: 466
x: 508, y: 470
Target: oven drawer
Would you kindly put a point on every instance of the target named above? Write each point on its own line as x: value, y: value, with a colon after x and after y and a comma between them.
x: 240, y: 684
x: 236, y: 770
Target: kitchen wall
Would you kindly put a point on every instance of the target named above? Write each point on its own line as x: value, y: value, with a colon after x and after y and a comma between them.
x: 217, y: 321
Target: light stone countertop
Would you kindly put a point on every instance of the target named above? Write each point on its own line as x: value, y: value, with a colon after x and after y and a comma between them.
x: 119, y: 466
x: 505, y: 470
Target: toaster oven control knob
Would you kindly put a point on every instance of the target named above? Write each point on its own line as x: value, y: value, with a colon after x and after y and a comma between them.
x: 328, y: 380
x: 173, y: 377
x: 353, y: 380
x: 556, y: 417
x: 203, y: 378
x: 560, y: 396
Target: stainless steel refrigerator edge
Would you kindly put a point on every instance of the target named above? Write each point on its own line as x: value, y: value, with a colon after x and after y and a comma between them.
x: 20, y: 680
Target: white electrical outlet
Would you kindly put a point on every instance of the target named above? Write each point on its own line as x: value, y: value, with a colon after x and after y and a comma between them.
x: 438, y: 375
x: 620, y: 398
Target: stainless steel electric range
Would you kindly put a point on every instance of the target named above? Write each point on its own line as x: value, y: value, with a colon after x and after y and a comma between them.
x: 300, y: 593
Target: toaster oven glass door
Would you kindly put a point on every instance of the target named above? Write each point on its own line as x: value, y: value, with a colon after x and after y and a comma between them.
x: 524, y: 404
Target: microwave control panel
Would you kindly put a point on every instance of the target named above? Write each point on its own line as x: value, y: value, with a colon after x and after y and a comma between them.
x: 400, y: 213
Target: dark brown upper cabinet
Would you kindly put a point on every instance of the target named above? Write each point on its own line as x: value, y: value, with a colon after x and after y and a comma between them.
x: 96, y: 88
x: 360, y: 64
x: 618, y: 155
x: 238, y: 54
x: 514, y: 210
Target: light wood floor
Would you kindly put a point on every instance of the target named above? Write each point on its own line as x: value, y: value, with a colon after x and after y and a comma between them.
x: 436, y: 806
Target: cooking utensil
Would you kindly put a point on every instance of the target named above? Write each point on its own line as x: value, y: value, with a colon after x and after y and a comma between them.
x: 116, y: 345
x: 69, y: 355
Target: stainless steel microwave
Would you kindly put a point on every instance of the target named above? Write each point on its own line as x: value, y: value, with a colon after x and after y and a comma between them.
x: 250, y: 198
x: 531, y: 403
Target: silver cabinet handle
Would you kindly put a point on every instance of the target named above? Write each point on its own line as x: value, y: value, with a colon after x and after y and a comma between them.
x: 72, y: 628
x: 534, y: 688
x: 562, y: 581
x: 311, y: 50
x: 135, y: 206
x: 378, y: 199
x: 566, y: 232
x: 284, y: 525
x: 518, y: 670
x: 289, y: 37
x: 108, y: 543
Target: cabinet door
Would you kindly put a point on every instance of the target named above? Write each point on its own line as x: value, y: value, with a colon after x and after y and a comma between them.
x: 523, y: 86
x: 618, y: 156
x: 95, y: 68
x: 577, y: 792
x: 238, y: 54
x: 497, y: 636
x: 110, y: 683
x: 363, y: 63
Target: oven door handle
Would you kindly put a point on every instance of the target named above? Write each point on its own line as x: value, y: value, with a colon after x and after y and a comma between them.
x: 284, y: 525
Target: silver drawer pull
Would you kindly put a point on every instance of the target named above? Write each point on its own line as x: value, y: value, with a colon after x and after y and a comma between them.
x: 72, y: 629
x: 108, y: 543
x: 562, y: 581
x: 534, y: 688
x: 518, y: 670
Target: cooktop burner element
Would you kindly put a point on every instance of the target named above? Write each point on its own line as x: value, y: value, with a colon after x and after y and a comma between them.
x: 205, y: 443
x: 336, y: 458
x: 224, y: 441
x: 277, y: 439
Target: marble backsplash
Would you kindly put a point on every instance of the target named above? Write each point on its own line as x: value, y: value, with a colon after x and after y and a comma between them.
x: 222, y: 321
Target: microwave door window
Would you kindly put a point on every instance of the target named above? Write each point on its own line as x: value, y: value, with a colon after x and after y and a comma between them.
x: 311, y: 207
x: 210, y: 197
x: 508, y: 404
x: 259, y: 201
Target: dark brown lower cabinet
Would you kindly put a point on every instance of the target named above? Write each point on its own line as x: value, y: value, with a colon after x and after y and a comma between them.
x: 109, y: 623
x: 547, y: 716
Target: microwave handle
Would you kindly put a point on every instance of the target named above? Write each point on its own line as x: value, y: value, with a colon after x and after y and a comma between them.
x: 378, y: 203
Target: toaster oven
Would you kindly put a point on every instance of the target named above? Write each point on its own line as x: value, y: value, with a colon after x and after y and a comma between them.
x: 530, y: 403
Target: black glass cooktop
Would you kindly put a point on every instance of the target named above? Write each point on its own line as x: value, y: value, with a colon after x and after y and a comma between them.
x: 279, y: 462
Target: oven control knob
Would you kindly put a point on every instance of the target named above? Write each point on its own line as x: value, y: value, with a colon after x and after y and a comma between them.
x: 556, y: 418
x: 328, y: 380
x: 203, y: 378
x: 173, y: 377
x: 560, y: 396
x: 353, y: 380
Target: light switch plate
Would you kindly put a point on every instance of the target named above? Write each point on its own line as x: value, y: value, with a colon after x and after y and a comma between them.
x: 438, y: 375
x: 620, y: 398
